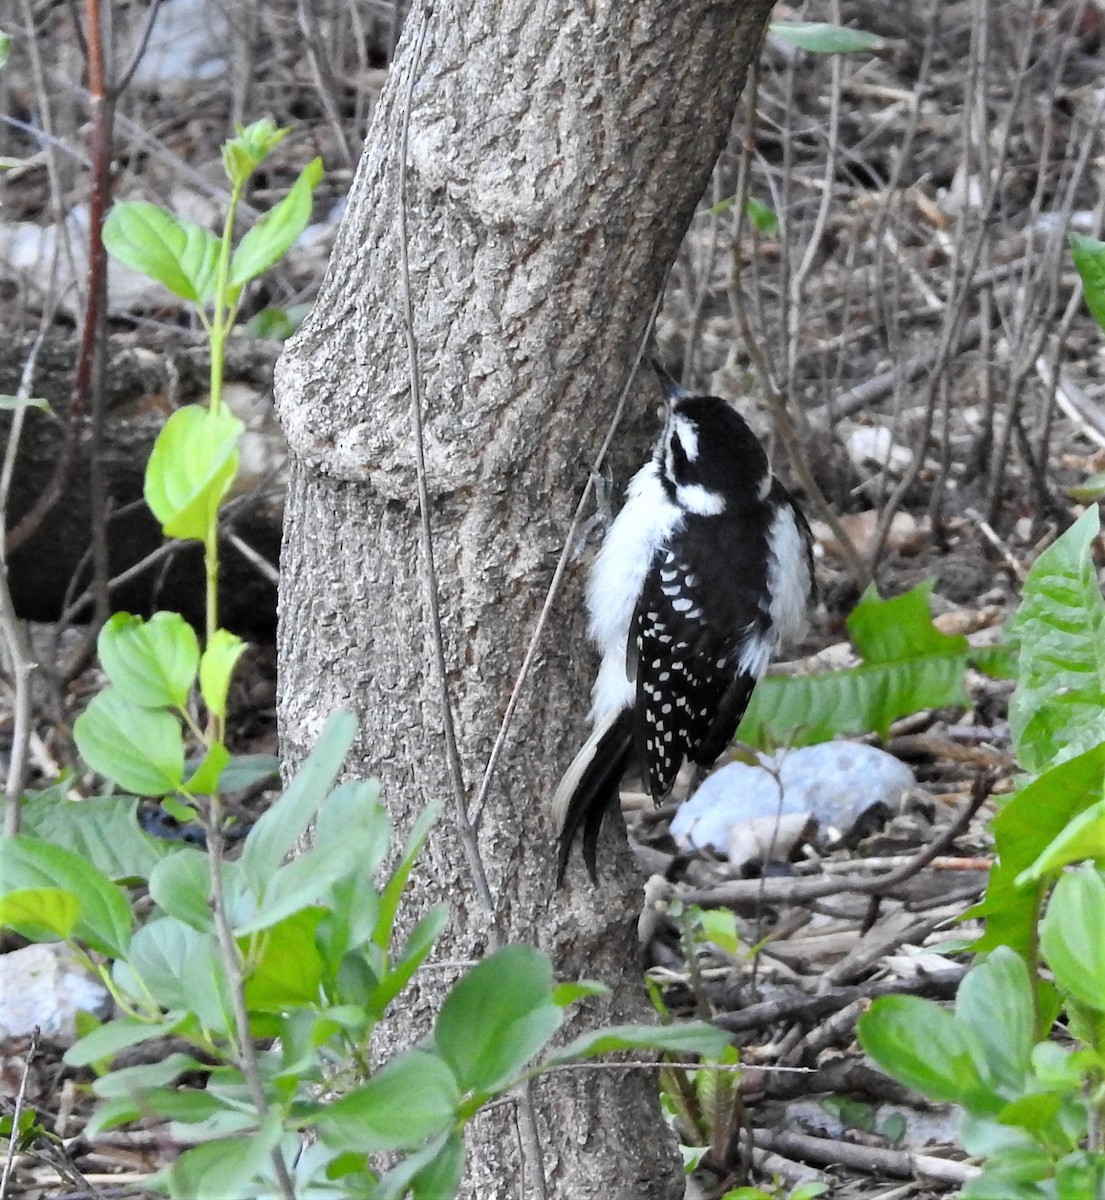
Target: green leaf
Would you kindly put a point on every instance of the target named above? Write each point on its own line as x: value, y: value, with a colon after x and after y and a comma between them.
x: 909, y: 665
x: 688, y: 1037
x: 719, y: 926
x: 354, y: 905
x: 820, y: 38
x: 41, y: 914
x: 439, y: 1179
x: 104, y: 830
x: 1090, y: 490
x: 761, y: 215
x: 305, y: 880
x: 286, y: 970
x: 9, y: 403
x: 247, y: 770
x: 1082, y: 837
x: 1072, y: 936
x: 573, y: 991
x: 130, y: 1081
x: 243, y: 154
x: 224, y: 1168
x: 277, y: 324
x: 1035, y: 1112
x: 275, y: 835
x: 412, y: 1098
x: 926, y: 1048
x: 180, y: 810
x: 192, y: 465
x: 151, y: 663
x: 1089, y: 259
x: 1023, y: 829
x: 1080, y: 1174
x: 995, y: 1001
x: 180, y: 884
x: 270, y: 239
x: 852, y: 1113
x: 141, y: 749
x: 418, y: 946
x: 799, y: 710
x: 1058, y: 709
x: 899, y: 629
x: 173, y: 1104
x: 353, y: 812
x: 206, y: 779
x: 216, y: 667
x: 5, y: 47
x: 179, y: 254
x: 399, y: 1181
x: 497, y: 1017
x: 393, y: 889
x: 180, y: 967
x: 105, y: 916
x: 107, y: 1040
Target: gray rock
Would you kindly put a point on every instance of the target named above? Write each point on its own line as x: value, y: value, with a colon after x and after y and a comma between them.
x: 43, y: 985
x: 834, y: 784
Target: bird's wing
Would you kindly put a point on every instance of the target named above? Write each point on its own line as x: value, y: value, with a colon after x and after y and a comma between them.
x: 703, y: 636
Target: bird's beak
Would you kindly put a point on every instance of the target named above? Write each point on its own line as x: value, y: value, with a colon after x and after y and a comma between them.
x: 672, y: 391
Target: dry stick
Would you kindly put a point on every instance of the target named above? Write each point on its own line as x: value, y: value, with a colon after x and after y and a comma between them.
x: 558, y: 574
x: 20, y: 652
x: 90, y: 381
x: 13, y: 1139
x: 807, y: 1008
x: 428, y: 570
x: 871, y: 1159
x: 123, y: 82
x: 255, y: 559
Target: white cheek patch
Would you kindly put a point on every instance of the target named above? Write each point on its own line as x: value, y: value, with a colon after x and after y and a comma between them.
x: 699, y: 500
x: 687, y: 433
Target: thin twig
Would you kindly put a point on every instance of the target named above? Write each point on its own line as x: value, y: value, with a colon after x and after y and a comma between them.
x: 20, y: 1096
x: 120, y: 85
x: 872, y: 1159
x: 258, y: 561
x: 428, y: 570
x: 90, y: 384
x: 20, y: 652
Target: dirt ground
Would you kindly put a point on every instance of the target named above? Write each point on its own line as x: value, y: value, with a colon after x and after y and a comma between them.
x: 913, y: 316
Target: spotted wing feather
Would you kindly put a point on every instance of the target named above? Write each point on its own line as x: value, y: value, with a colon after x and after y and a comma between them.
x: 697, y: 666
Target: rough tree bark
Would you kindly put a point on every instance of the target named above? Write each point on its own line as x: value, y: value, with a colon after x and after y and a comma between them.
x: 555, y: 156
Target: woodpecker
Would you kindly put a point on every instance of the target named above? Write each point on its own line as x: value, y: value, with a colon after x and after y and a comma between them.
x: 706, y: 569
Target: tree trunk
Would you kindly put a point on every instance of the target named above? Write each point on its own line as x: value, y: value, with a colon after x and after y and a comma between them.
x: 555, y: 156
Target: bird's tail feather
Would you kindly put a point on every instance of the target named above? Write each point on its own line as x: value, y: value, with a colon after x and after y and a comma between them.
x: 589, y: 785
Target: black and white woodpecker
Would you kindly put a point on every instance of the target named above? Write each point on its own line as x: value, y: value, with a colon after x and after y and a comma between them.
x: 706, y: 569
